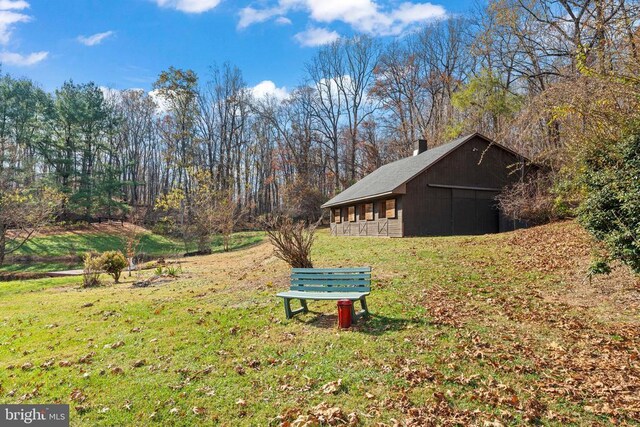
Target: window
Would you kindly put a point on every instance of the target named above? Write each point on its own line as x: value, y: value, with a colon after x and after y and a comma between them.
x: 391, y: 208
x: 368, y: 211
x: 361, y: 212
x: 352, y: 213
x: 337, y: 217
x: 382, y: 209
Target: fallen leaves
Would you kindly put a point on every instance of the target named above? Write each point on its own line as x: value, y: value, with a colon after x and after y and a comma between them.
x: 320, y: 415
x: 114, y: 345
x: 332, y: 387
x: 87, y: 358
x: 198, y: 410
x: 139, y: 363
x: 78, y: 396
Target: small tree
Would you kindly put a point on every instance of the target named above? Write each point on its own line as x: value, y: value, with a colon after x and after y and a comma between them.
x: 206, y: 212
x: 133, y: 238
x: 292, y: 241
x: 173, y: 205
x: 228, y: 215
x: 91, y: 270
x: 113, y: 262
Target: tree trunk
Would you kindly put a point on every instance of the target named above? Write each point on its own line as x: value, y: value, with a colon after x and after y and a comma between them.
x: 3, y: 243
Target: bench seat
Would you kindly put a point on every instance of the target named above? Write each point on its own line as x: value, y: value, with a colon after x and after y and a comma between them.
x: 329, y: 284
x: 353, y: 296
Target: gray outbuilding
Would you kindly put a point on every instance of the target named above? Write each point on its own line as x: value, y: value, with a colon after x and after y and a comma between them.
x: 447, y: 190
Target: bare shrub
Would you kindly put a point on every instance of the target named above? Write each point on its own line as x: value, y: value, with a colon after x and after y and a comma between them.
x: 292, y: 240
x: 91, y: 270
x: 529, y: 200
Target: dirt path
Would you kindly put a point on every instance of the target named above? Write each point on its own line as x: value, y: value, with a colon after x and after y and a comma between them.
x: 64, y: 273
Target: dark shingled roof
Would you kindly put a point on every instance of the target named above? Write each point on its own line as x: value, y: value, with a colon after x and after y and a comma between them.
x: 389, y: 177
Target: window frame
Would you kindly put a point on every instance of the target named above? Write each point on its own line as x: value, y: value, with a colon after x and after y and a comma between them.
x: 382, y: 209
x: 337, y: 215
x: 351, y: 213
x: 372, y: 216
x: 395, y: 208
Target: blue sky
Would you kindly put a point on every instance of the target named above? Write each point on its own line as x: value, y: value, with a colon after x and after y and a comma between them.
x: 126, y: 43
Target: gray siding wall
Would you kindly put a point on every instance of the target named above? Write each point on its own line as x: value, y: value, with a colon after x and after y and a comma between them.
x: 431, y: 210
x: 378, y: 227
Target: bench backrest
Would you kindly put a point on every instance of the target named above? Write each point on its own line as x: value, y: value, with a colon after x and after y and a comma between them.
x: 356, y: 279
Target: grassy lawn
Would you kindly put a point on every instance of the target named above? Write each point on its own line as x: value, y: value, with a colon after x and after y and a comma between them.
x: 76, y: 244
x: 461, y: 333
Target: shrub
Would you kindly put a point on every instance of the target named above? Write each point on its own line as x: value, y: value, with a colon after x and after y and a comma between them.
x: 173, y: 271
x: 292, y: 241
x: 113, y: 262
x: 91, y: 270
x: 611, y: 210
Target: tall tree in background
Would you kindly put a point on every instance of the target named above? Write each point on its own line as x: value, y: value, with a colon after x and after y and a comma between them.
x: 178, y: 90
x: 328, y: 106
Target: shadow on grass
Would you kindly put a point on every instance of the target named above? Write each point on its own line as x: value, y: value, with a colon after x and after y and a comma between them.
x: 373, y: 324
x: 245, y: 244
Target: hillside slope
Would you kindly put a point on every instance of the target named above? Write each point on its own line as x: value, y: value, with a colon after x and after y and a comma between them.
x: 465, y: 330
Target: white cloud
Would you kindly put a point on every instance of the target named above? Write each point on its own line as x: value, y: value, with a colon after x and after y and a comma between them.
x: 267, y: 88
x: 250, y: 16
x: 8, y: 18
x: 411, y: 12
x: 13, y: 4
x: 94, y: 39
x: 283, y: 20
x: 367, y: 16
x: 189, y: 6
x: 7, y: 21
x: 12, y: 58
x: 316, y: 37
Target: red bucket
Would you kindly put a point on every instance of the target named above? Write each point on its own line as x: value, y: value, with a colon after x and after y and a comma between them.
x: 344, y: 313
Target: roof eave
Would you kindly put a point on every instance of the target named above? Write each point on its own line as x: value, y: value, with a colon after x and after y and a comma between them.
x: 360, y: 199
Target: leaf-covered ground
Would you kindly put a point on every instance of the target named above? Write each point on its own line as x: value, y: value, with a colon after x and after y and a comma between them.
x: 489, y: 330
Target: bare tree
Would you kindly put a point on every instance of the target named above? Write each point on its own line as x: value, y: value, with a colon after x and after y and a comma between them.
x: 24, y: 211
x: 328, y: 104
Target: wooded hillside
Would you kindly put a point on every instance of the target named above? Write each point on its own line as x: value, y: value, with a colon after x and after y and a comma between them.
x: 553, y: 79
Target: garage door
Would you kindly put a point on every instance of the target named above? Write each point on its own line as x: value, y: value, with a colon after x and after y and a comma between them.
x: 474, y: 212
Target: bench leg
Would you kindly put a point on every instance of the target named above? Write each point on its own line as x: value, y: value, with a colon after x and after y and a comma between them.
x: 287, y: 308
x: 290, y: 313
x: 364, y: 312
x: 363, y: 304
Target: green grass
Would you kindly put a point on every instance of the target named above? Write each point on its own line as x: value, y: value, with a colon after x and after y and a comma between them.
x: 216, y: 339
x: 76, y: 244
x: 152, y: 244
x: 38, y: 267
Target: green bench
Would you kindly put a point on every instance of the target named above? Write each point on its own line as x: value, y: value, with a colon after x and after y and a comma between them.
x: 328, y: 284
